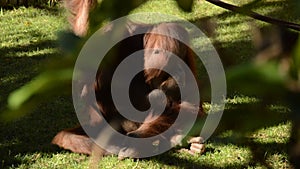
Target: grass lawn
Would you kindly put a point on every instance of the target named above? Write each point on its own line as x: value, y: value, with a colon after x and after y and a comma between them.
x: 28, y: 38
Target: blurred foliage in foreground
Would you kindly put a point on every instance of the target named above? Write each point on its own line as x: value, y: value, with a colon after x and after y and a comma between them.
x: 273, y: 76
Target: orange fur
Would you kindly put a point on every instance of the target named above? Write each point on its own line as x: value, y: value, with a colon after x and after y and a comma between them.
x: 79, y: 10
x: 142, y: 89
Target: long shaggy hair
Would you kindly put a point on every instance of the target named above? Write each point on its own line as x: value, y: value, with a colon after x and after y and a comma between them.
x: 157, y: 47
x: 79, y: 15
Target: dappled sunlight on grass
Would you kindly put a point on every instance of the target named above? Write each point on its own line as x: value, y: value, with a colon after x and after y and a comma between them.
x: 275, y: 134
x: 29, y: 36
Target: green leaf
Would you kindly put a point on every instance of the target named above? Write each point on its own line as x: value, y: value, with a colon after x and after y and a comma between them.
x: 296, y: 61
x: 43, y: 83
x: 252, y: 79
x: 47, y: 84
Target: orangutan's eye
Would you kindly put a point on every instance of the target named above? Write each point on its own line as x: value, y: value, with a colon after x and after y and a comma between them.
x: 156, y: 51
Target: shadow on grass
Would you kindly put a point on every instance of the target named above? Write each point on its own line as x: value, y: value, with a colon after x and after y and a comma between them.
x: 171, y: 159
x: 34, y: 132
x: 242, y: 50
x: 242, y: 124
x: 53, y: 9
x: 16, y: 71
x: 244, y: 119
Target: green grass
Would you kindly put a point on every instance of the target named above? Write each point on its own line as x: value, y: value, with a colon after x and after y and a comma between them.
x: 28, y: 37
